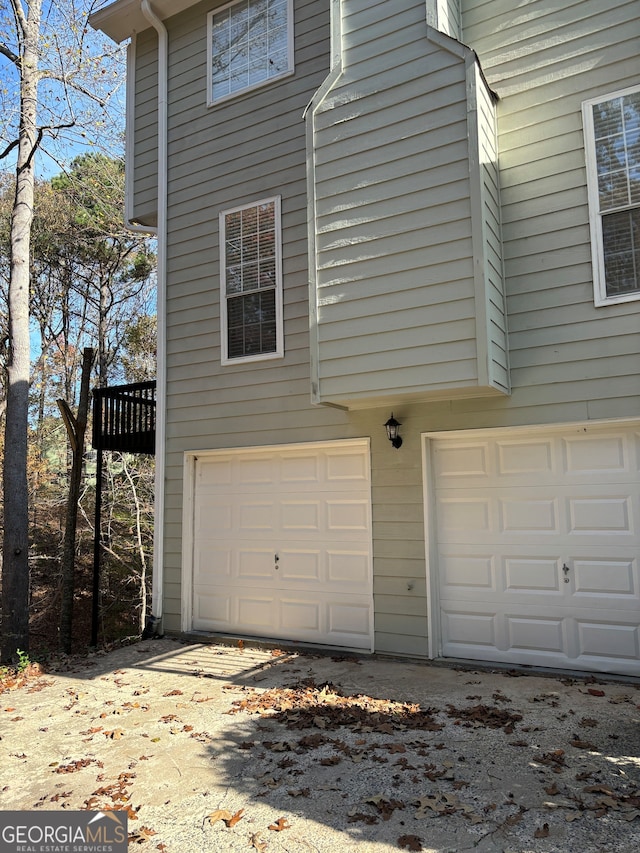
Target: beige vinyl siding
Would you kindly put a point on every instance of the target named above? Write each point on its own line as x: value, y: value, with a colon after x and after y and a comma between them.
x: 232, y: 154
x: 392, y: 212
x: 245, y: 149
x: 444, y: 15
x: 570, y: 362
x: 543, y: 61
x: 406, y: 206
x: 490, y: 292
x: 145, y: 129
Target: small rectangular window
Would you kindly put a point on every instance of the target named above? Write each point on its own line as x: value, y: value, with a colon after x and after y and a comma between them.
x: 612, y: 138
x: 251, y: 282
x: 250, y: 44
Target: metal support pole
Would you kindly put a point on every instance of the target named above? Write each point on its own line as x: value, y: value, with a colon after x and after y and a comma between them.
x: 97, y: 542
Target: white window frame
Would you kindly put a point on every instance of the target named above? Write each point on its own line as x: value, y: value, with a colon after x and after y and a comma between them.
x: 211, y: 101
x: 595, y: 215
x: 279, y: 318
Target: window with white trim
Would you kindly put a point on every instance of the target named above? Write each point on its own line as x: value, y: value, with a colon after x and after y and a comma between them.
x: 250, y: 44
x: 612, y: 137
x: 251, y: 282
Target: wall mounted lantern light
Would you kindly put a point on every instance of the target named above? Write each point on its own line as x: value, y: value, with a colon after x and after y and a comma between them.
x: 393, y: 431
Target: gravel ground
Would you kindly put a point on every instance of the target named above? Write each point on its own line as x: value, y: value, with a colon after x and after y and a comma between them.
x: 218, y: 748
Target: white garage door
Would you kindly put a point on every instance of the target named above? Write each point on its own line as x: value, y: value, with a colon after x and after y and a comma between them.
x: 538, y: 538
x: 282, y: 544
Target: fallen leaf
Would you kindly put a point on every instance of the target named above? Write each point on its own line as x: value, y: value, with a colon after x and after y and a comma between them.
x: 299, y: 792
x: 543, y: 832
x: 410, y: 842
x: 219, y: 814
x: 235, y: 818
x: 280, y: 824
x: 141, y: 835
x: 356, y: 816
x: 491, y: 717
x: 582, y: 744
x: 116, y: 734
x: 257, y: 843
x: 175, y: 692
x: 593, y: 692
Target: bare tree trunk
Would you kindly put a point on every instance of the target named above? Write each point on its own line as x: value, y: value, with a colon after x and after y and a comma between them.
x: 76, y: 428
x: 15, y: 566
x: 139, y: 545
x: 103, y: 315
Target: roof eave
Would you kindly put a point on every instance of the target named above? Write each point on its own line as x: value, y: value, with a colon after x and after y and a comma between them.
x: 122, y: 18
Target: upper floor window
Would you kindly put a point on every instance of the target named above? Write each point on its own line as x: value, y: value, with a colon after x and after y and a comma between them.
x: 251, y: 282
x: 250, y: 44
x: 612, y: 137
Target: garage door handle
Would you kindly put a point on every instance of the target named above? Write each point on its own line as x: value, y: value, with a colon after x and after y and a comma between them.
x: 565, y: 569
x: 276, y: 561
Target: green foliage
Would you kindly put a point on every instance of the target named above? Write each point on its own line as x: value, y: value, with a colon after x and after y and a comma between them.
x: 24, y: 661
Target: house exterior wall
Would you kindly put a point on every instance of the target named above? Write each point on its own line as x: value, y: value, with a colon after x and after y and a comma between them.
x: 144, y: 165
x: 570, y: 361
x: 445, y: 15
x: 406, y: 269
x: 490, y: 302
x: 240, y: 151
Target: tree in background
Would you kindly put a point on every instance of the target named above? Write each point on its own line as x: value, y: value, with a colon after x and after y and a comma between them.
x: 92, y: 285
x: 51, y: 83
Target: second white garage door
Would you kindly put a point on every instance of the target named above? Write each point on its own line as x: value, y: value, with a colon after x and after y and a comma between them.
x: 536, y: 538
x: 282, y: 543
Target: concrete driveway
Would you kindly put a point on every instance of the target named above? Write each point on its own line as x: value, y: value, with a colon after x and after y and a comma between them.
x: 217, y: 748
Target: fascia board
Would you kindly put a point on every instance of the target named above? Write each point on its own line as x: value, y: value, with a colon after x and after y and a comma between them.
x: 121, y: 19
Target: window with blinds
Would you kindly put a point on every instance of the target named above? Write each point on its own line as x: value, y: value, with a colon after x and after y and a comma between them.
x: 250, y: 44
x: 612, y: 137
x: 251, y: 282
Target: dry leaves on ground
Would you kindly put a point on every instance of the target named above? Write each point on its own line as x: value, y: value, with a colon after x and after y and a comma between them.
x: 226, y: 816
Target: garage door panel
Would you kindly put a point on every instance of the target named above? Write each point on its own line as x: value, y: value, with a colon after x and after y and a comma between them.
x: 612, y: 454
x: 601, y: 639
x: 530, y: 575
x: 213, y: 605
x: 211, y: 554
x: 537, y: 543
x: 493, y: 513
x: 599, y: 515
x: 516, y: 459
x: 212, y: 515
x: 294, y: 617
x: 517, y: 515
x: 344, y: 570
x: 301, y: 616
x: 348, y: 568
x: 350, y: 620
x: 457, y: 513
x: 298, y: 515
x: 300, y: 566
x: 469, y: 572
x: 535, y: 632
x: 615, y: 579
x: 469, y: 630
x: 252, y: 564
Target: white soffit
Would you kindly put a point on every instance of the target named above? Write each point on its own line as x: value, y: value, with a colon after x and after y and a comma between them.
x: 121, y: 19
